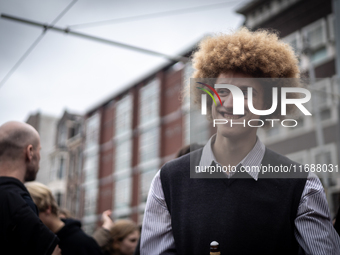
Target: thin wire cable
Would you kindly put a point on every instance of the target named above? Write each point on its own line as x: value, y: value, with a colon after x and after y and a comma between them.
x: 17, y: 64
x: 154, y: 15
x: 63, y: 12
x: 90, y: 37
x: 34, y: 44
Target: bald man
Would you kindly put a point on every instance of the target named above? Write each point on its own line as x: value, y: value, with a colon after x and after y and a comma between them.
x: 21, y: 231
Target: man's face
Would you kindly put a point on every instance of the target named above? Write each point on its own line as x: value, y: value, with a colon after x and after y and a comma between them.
x: 225, y: 111
x: 33, y: 165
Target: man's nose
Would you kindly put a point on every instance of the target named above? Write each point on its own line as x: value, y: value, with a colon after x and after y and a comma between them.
x: 227, y: 101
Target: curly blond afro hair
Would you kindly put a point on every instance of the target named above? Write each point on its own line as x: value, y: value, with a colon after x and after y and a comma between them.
x: 259, y: 54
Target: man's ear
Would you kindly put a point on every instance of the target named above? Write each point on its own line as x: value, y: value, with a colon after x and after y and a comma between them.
x: 48, y: 210
x: 29, y: 152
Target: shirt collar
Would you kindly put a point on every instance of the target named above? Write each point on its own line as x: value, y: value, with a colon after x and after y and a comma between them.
x: 251, y: 161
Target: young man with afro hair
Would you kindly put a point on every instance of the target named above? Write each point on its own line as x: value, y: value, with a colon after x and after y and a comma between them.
x: 246, y: 212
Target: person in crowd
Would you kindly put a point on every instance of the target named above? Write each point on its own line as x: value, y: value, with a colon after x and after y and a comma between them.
x: 73, y: 241
x: 123, y: 240
x: 117, y: 238
x: 103, y: 235
x: 21, y: 231
x: 246, y: 212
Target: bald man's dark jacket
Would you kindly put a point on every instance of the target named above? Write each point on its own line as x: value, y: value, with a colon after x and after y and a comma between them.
x: 21, y: 231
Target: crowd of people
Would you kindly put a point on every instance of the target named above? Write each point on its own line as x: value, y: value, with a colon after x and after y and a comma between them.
x: 246, y: 212
x: 31, y: 221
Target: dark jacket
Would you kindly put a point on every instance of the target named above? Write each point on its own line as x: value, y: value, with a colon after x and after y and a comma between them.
x: 21, y: 231
x: 73, y: 240
x: 102, y: 236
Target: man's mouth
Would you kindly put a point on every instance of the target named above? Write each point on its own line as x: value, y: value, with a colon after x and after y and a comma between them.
x: 229, y: 115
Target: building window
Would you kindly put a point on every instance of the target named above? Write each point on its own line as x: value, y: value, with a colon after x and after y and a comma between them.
x: 92, y: 147
x: 92, y: 131
x: 58, y: 197
x: 54, y: 168
x: 325, y: 114
x: 74, y: 130
x: 122, y: 193
x: 77, y: 202
x: 61, y: 169
x: 72, y: 164
x: 326, y: 160
x: 91, y: 191
x: 124, y: 115
x: 149, y: 102
x: 146, y: 178
x: 316, y: 34
x: 149, y: 145
x: 300, y: 157
x: 322, y: 99
x: 62, y: 135
x: 295, y: 41
x: 79, y: 162
x: 319, y: 55
x: 331, y: 27
x: 91, y: 166
x: 316, y: 37
x: 123, y: 156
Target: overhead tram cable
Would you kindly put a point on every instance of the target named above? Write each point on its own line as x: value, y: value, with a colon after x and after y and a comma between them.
x: 35, y: 43
x: 156, y: 15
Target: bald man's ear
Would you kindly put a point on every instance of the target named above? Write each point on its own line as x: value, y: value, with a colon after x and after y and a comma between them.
x: 29, y: 152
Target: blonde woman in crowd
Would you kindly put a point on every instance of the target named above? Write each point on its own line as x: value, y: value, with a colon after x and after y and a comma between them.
x: 73, y: 240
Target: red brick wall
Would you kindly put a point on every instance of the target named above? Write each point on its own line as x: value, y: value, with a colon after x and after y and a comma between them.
x: 172, y: 125
x: 170, y: 138
x: 135, y: 144
x: 105, y: 192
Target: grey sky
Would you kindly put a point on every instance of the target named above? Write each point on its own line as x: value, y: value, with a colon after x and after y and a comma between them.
x: 66, y: 72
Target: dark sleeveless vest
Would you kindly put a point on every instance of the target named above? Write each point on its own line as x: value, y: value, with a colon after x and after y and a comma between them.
x: 245, y: 216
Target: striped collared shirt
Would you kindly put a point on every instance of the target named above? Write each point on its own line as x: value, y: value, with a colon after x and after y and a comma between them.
x: 313, y: 228
x: 252, y: 160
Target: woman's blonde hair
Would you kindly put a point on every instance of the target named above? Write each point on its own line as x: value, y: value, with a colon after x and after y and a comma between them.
x: 42, y: 197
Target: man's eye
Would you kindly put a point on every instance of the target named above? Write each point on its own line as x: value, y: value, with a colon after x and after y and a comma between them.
x: 222, y: 91
x: 245, y: 92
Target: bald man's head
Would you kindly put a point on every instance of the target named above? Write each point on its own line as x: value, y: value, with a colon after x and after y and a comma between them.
x: 15, y: 137
x: 20, y: 142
